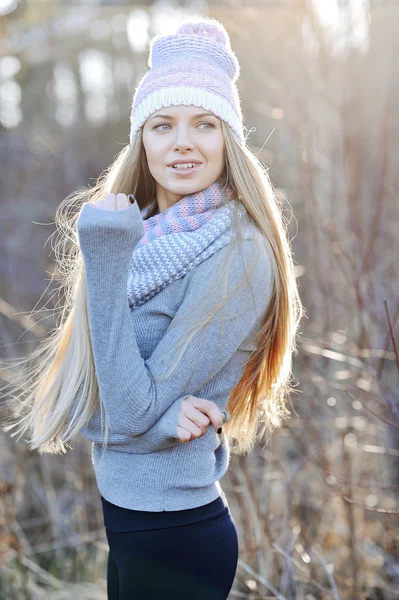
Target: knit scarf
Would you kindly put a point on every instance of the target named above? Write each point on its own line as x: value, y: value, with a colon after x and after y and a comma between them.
x: 180, y: 238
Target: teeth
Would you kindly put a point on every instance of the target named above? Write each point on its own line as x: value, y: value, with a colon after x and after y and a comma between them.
x: 184, y: 166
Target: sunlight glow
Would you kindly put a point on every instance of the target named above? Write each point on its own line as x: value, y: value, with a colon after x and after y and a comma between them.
x: 346, y: 25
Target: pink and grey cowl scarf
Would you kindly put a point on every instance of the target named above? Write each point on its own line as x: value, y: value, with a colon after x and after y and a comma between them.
x: 179, y: 238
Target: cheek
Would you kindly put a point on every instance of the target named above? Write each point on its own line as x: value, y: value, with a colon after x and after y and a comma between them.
x: 217, y: 155
x: 215, y: 150
x: 154, y: 157
x: 153, y: 151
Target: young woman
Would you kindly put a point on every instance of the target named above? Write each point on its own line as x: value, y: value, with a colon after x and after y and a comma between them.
x: 181, y: 312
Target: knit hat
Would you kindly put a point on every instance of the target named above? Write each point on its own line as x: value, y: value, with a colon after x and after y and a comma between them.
x: 194, y: 66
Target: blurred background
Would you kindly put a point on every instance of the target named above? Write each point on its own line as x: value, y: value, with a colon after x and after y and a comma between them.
x: 317, y: 509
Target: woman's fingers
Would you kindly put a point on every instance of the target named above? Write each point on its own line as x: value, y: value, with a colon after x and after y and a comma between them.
x: 209, y: 408
x: 112, y: 202
x: 192, y: 423
x: 190, y: 412
x: 184, y: 435
x: 122, y: 202
x: 188, y: 430
x: 109, y: 202
x: 195, y: 416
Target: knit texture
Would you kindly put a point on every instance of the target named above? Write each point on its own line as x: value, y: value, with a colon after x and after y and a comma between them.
x: 178, y: 239
x: 194, y: 66
x: 146, y: 466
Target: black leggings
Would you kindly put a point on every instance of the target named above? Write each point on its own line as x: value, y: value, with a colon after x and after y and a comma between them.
x: 196, y: 560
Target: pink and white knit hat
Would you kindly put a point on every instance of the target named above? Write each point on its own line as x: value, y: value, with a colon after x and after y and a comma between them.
x: 195, y: 66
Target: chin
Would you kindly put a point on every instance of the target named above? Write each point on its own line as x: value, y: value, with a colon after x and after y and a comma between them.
x: 186, y: 187
x: 188, y: 184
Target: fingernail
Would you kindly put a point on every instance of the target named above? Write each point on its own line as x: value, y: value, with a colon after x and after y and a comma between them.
x: 131, y: 198
x: 220, y: 430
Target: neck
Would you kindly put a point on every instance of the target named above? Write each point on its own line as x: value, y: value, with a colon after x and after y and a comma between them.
x: 166, y: 198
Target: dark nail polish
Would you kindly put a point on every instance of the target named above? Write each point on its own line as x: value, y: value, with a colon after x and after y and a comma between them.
x: 220, y: 430
x: 132, y: 198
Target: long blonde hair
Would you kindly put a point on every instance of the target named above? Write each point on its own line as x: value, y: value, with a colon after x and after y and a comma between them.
x: 42, y: 402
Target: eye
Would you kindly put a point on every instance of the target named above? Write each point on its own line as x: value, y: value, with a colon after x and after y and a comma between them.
x: 161, y: 125
x: 167, y: 124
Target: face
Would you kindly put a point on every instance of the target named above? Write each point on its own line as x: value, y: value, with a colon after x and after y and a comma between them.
x: 186, y: 133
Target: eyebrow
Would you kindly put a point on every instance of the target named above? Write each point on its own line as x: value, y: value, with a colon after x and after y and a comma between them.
x: 194, y: 117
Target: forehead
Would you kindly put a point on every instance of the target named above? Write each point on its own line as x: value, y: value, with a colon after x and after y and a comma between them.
x: 181, y: 111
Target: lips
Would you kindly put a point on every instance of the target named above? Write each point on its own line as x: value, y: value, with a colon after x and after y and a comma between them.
x: 185, y: 162
x: 185, y: 172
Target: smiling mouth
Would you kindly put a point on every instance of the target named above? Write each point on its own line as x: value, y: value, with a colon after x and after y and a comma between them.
x: 178, y: 166
x: 185, y: 170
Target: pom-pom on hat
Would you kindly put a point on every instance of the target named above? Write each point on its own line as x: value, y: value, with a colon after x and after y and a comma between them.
x: 194, y: 66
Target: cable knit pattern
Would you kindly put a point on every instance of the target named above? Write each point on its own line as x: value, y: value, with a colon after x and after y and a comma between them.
x: 194, y: 66
x: 178, y: 239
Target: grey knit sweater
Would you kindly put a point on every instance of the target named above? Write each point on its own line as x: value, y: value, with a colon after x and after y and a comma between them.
x: 146, y: 466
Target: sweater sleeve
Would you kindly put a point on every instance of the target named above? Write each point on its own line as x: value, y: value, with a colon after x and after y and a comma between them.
x: 163, y: 434
x: 130, y: 387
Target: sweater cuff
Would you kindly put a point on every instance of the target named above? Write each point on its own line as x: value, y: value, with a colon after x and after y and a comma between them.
x: 170, y: 419
x: 92, y: 220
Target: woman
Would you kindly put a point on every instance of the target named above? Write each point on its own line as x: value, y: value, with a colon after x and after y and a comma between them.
x: 186, y: 222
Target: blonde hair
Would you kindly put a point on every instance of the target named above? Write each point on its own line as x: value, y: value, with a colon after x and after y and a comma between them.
x: 63, y: 376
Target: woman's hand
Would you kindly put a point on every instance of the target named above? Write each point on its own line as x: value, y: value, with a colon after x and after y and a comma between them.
x: 113, y: 202
x: 195, y: 416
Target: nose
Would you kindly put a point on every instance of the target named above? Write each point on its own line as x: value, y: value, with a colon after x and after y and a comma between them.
x: 182, y: 141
